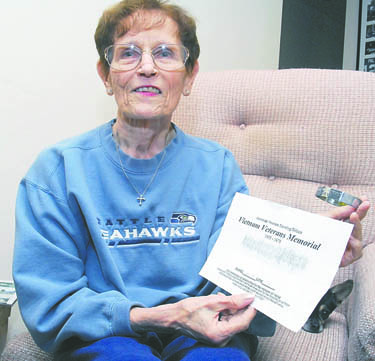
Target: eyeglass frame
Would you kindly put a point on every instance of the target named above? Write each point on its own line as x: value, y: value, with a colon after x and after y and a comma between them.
x: 187, y: 54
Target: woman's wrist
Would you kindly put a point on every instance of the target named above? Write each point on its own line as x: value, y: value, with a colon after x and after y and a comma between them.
x: 161, y: 318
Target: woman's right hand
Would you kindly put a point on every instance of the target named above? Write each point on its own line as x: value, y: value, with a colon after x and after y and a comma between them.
x: 215, y: 319
x: 212, y: 319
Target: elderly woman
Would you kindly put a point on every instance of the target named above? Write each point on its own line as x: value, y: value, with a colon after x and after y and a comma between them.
x: 113, y: 226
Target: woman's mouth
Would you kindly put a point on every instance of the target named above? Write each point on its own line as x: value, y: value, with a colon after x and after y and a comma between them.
x: 148, y: 90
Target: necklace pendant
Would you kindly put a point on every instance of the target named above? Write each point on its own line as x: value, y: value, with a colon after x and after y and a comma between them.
x: 141, y: 199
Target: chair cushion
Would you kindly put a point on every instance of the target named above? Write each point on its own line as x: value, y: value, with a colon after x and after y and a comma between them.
x: 286, y: 345
x: 23, y: 348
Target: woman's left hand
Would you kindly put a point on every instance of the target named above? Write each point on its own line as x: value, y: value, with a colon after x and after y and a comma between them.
x: 354, y: 247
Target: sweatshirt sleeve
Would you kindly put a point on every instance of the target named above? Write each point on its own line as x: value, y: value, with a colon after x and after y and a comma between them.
x: 233, y: 182
x: 54, y: 296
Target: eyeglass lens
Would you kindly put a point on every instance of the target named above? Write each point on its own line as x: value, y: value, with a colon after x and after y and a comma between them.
x: 128, y: 56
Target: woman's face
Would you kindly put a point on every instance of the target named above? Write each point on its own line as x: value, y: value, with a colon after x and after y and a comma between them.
x: 148, y: 92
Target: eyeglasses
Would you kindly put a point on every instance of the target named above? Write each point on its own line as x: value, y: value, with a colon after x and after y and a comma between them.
x: 125, y: 57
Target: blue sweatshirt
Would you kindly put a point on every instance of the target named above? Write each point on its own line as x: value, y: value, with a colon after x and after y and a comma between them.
x: 86, y: 252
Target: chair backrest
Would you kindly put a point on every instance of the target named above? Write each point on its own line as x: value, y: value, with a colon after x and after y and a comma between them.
x: 291, y: 130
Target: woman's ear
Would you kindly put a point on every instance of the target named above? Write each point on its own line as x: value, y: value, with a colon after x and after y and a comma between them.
x: 189, y: 80
x: 104, y: 75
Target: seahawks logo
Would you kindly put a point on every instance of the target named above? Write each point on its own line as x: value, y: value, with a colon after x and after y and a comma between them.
x: 181, y: 217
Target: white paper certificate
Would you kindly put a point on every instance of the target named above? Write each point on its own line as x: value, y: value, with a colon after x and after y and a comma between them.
x: 285, y: 257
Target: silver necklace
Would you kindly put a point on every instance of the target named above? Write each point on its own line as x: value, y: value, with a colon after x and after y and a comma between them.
x: 141, y: 195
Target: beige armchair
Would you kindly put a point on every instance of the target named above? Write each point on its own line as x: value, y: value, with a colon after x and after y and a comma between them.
x: 291, y: 131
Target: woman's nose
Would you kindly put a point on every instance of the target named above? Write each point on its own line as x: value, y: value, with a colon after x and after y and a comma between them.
x: 147, y: 65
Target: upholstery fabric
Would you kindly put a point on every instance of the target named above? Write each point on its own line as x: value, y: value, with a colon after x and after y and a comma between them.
x: 330, y: 345
x: 292, y: 131
x: 23, y: 348
x: 361, y: 310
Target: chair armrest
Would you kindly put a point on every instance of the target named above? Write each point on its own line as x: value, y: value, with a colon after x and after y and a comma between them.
x: 361, y: 310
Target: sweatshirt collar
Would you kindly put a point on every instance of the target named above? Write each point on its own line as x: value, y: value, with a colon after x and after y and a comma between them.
x: 134, y: 165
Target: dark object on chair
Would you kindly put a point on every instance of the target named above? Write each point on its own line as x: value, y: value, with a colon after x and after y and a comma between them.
x: 330, y: 301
